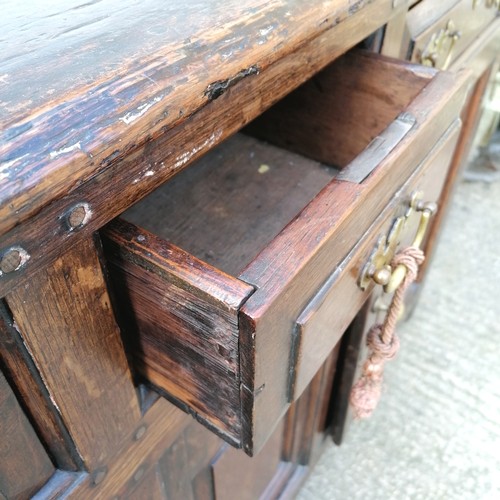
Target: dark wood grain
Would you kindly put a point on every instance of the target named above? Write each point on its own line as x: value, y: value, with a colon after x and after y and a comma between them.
x: 65, y: 320
x: 170, y: 334
x: 351, y: 355
x: 24, y: 465
x: 306, y: 422
x: 130, y: 161
x: 231, y: 203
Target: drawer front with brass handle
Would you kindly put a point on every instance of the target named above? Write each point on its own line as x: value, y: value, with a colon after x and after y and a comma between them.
x: 212, y: 270
x: 438, y: 42
x: 402, y: 222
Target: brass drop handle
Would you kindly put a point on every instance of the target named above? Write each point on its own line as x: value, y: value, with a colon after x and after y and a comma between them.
x: 392, y: 278
x: 437, y: 46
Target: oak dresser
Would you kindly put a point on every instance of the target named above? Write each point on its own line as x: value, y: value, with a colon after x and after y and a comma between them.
x: 197, y: 201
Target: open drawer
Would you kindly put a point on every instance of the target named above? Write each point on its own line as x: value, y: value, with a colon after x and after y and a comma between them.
x: 213, y: 269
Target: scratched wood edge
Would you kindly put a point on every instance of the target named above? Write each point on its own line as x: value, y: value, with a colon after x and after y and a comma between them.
x: 126, y: 241
x: 301, y: 26
x: 441, y: 97
x: 26, y: 381
x: 130, y: 178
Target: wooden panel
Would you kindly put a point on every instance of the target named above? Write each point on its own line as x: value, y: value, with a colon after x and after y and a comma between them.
x: 396, y: 35
x: 336, y: 114
x: 125, y: 89
x: 186, y: 465
x: 138, y: 158
x: 24, y: 376
x: 65, y: 320
x: 482, y: 53
x: 306, y: 420
x: 24, y: 465
x: 181, y: 319
x: 351, y: 353
x: 150, y: 486
x: 139, y: 455
x: 247, y: 477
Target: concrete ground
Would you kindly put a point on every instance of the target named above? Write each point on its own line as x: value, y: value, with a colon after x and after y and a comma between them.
x: 436, y: 432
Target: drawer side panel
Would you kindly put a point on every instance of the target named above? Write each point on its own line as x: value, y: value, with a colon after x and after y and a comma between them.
x: 180, y: 320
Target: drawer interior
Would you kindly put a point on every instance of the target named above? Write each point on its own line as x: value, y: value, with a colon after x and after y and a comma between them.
x: 229, y: 205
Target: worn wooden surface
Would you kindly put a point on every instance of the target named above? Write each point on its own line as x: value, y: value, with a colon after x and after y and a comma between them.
x: 128, y: 160
x: 343, y: 211
x: 24, y: 465
x: 324, y: 232
x: 230, y: 204
x: 328, y: 314
x: 430, y: 179
x: 73, y: 339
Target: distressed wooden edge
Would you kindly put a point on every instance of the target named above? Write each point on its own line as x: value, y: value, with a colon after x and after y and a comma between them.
x: 127, y: 241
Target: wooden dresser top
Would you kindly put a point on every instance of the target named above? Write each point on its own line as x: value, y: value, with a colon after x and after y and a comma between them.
x: 83, y: 83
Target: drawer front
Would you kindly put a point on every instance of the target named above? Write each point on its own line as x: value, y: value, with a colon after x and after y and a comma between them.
x: 214, y: 333
x: 320, y: 326
x: 438, y: 42
x: 288, y: 273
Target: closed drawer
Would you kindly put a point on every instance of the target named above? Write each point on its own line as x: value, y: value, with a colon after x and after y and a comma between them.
x: 440, y: 33
x: 212, y: 270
